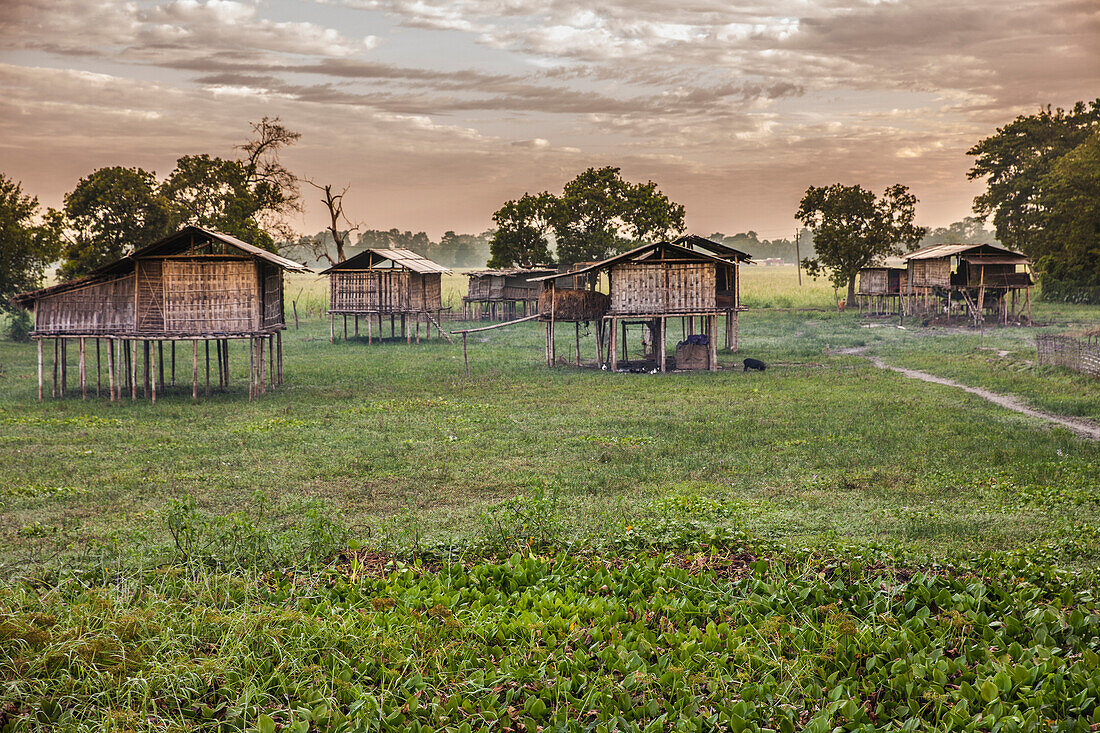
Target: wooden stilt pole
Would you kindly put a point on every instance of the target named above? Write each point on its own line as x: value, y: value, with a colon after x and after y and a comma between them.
x: 625, y: 348
x: 98, y: 369
x: 206, y: 349
x: 155, y: 373
x: 39, y: 340
x: 279, y: 344
x: 133, y: 369
x: 577, y: 324
x: 194, y: 369
x: 64, y: 365
x: 614, y: 346
x: 712, y: 339
x: 146, y: 352
x: 56, y: 351
x: 345, y: 328
x: 160, y: 362
x: 111, y: 368
x: 331, y: 328
x: 417, y: 328
x: 271, y: 360
x: 465, y: 358
x: 83, y: 371
x: 251, y: 368
x: 553, y: 315
x: 370, y: 329
x: 356, y: 326
x: 173, y: 363
x: 661, y: 328
x: 406, y: 329
x: 260, y: 383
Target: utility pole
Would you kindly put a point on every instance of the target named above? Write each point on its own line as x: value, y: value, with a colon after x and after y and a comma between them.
x: 797, y: 257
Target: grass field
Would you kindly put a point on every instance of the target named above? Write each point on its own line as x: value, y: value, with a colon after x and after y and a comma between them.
x: 387, y: 544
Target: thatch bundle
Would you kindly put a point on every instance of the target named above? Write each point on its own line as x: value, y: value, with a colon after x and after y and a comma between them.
x: 574, y: 305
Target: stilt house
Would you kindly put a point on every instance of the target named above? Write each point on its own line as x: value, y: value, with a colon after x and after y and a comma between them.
x: 972, y: 280
x: 648, y: 286
x: 881, y: 287
x: 386, y: 282
x: 196, y: 286
x: 502, y: 294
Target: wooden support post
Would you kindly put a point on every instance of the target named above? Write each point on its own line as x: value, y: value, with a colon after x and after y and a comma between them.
x: 626, y: 356
x: 370, y: 329
x: 111, y: 368
x: 146, y: 353
x: 271, y: 361
x: 206, y: 349
x: 465, y: 358
x: 56, y: 351
x: 133, y: 369
x: 734, y: 331
x: 83, y: 370
x: 331, y: 328
x: 598, y: 323
x: 614, y: 345
x: 393, y: 331
x: 98, y: 369
x: 251, y: 368
x: 261, y: 378
x: 39, y: 339
x: 194, y: 369
x: 345, y: 328
x: 156, y: 373
x: 418, y: 328
x: 356, y: 326
x: 173, y: 363
x: 553, y: 316
x: 661, y: 327
x: 712, y: 339
x: 578, y: 327
x: 225, y: 356
x: 279, y: 344
x: 406, y: 329
x: 64, y: 366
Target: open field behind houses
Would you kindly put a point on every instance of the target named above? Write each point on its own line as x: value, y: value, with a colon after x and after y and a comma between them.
x: 823, y: 544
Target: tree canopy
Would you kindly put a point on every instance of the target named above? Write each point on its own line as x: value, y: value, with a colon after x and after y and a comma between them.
x: 852, y: 229
x: 1030, y: 193
x: 109, y: 213
x: 26, y: 248
x: 596, y: 215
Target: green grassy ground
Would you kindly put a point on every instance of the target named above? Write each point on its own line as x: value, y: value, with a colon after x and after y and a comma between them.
x: 191, y: 551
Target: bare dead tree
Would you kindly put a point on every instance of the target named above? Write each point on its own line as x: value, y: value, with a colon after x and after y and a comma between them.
x: 334, y: 203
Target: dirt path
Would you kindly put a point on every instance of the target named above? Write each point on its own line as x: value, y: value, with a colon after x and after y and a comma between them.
x: 1083, y: 428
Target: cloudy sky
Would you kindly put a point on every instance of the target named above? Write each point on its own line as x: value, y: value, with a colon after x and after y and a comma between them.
x: 436, y: 111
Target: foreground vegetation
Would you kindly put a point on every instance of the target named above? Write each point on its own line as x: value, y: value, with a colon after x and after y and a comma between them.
x: 387, y: 544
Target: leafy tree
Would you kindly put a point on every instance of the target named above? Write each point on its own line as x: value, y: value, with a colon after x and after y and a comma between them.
x: 26, y: 248
x: 1017, y: 158
x: 246, y: 198
x: 853, y: 230
x: 108, y: 214
x: 1067, y: 242
x: 599, y: 214
x: 461, y: 250
x: 520, y: 238
x: 971, y: 230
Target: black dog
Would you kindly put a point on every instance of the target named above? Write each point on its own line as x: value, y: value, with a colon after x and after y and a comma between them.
x: 755, y: 364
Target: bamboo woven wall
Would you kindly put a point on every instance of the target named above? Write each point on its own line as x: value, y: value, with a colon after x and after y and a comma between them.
x: 273, y: 296
x: 101, y: 308
x: 661, y: 287
x: 930, y: 273
x: 872, y: 282
x: 1069, y: 352
x: 385, y: 291
x: 220, y: 296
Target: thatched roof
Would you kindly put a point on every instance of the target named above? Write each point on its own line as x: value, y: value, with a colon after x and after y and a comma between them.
x: 180, y: 242
x: 655, y: 252
x: 989, y: 254
x: 405, y: 258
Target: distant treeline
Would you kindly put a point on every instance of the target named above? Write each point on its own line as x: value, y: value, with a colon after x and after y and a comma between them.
x: 472, y: 250
x: 452, y: 250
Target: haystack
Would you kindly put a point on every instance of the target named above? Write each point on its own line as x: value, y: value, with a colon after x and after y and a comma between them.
x: 574, y: 305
